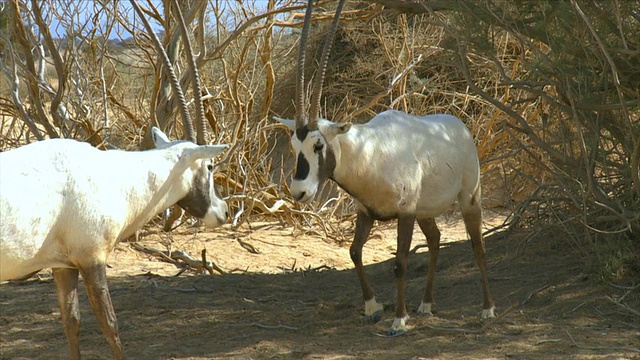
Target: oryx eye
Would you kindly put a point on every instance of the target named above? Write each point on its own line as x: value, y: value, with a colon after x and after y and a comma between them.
x: 210, y: 167
x: 317, y: 147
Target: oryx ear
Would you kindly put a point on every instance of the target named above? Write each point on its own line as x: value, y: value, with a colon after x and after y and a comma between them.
x: 206, y: 151
x: 336, y: 129
x: 160, y: 139
x: 214, y: 150
x: 189, y: 155
x: 291, y: 124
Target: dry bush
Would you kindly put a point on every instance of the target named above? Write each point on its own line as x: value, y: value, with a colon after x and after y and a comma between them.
x: 549, y: 90
x: 566, y: 95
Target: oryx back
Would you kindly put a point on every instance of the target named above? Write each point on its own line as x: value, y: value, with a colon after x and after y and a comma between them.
x: 399, y: 163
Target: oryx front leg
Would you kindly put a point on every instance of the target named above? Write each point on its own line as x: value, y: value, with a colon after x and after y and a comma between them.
x: 405, y: 232
x: 67, y: 289
x: 95, y: 281
x: 372, y: 310
x: 431, y: 232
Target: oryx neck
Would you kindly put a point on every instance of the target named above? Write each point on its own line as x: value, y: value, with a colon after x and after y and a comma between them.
x: 155, y: 196
x: 347, y: 149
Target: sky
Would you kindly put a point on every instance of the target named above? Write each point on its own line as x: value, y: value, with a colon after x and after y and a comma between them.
x: 77, y: 12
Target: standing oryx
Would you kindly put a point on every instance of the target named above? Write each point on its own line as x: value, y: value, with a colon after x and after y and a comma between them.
x: 65, y: 205
x: 396, y: 166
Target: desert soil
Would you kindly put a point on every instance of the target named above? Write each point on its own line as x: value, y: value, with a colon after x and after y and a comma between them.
x: 297, y: 297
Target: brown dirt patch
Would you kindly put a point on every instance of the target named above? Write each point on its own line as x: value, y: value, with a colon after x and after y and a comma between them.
x: 279, y: 307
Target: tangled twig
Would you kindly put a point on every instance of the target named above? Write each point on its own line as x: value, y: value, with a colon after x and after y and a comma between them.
x: 181, y: 259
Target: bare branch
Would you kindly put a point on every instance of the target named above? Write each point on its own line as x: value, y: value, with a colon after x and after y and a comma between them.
x: 31, y: 73
x: 186, y: 118
x: 57, y: 62
x: 14, y: 79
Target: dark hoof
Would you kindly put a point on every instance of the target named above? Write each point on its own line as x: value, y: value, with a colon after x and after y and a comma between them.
x: 375, y: 317
x: 394, y: 333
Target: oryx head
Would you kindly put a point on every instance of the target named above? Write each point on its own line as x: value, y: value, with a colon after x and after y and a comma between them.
x: 195, y: 168
x: 312, y: 139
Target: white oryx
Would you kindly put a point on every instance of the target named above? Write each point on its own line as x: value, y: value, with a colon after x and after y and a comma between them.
x: 65, y: 204
x: 396, y: 166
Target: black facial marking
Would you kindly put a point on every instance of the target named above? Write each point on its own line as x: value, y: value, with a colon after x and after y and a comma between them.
x: 302, y: 132
x: 326, y: 163
x: 302, y: 168
x: 198, y: 200
x: 326, y: 158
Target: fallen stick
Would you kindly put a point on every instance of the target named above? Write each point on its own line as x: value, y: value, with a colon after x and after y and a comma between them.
x: 623, y: 306
x: 180, y: 258
x: 584, y: 347
x: 263, y: 326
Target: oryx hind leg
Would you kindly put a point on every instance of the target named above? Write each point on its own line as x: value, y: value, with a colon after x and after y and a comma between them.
x: 472, y: 215
x: 432, y: 233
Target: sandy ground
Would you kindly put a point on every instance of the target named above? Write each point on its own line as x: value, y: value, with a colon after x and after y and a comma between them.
x: 287, y: 295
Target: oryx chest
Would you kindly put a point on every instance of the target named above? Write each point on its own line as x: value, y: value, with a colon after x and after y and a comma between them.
x: 383, y: 197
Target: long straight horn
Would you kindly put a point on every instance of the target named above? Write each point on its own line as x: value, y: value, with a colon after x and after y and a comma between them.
x: 322, y: 70
x: 201, y: 127
x: 302, y: 52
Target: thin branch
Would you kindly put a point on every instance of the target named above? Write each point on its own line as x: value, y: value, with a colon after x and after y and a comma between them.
x: 186, y: 118
x: 57, y: 62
